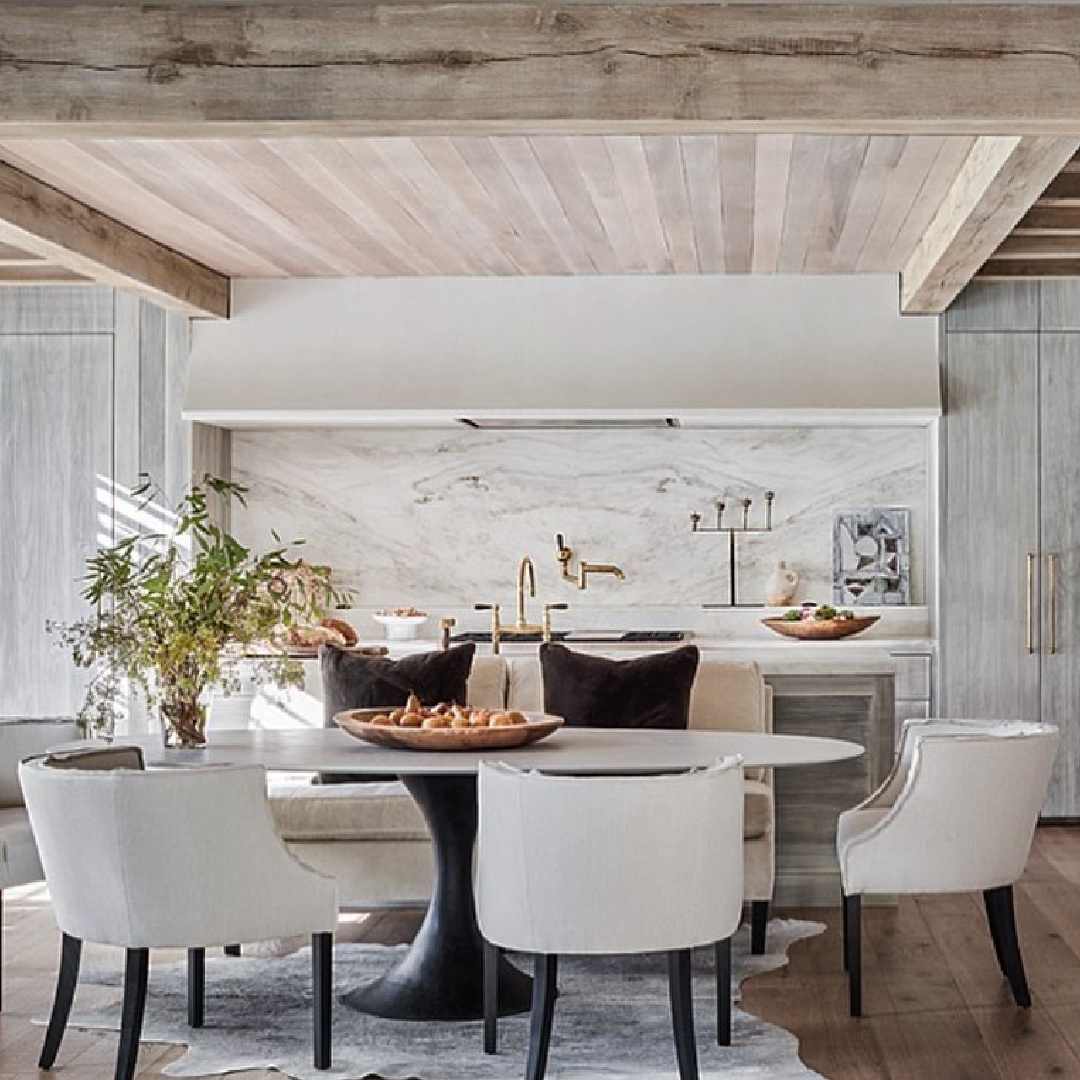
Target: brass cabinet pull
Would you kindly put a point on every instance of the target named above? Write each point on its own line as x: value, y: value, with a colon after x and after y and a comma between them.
x: 1052, y: 566
x: 1031, y: 601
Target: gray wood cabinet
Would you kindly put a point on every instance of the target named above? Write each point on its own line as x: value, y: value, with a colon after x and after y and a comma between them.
x: 1059, y: 655
x: 809, y: 799
x: 1010, y: 589
x: 914, y: 686
x: 55, y: 458
x: 91, y: 387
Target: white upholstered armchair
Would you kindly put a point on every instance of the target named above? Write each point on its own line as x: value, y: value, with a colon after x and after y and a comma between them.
x: 184, y: 858
x: 727, y: 695
x: 19, y: 862
x: 588, y: 865
x: 956, y: 814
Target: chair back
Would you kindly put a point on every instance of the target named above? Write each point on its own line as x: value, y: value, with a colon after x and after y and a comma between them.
x: 609, y: 864
x: 166, y: 858
x: 20, y: 738
x: 965, y: 813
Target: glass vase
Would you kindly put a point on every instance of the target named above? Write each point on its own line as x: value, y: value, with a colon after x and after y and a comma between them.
x: 183, y: 723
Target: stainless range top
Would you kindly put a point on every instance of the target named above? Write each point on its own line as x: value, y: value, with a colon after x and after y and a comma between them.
x: 570, y: 637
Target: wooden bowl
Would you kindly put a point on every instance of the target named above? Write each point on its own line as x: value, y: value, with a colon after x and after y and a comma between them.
x: 820, y: 629
x: 357, y: 723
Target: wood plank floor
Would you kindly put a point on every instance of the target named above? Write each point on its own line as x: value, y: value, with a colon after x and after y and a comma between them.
x: 936, y: 1005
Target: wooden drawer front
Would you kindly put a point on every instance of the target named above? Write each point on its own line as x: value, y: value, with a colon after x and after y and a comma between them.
x: 912, y: 677
x: 911, y: 710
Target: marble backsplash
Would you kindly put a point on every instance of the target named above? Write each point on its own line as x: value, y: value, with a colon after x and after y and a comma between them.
x: 439, y: 519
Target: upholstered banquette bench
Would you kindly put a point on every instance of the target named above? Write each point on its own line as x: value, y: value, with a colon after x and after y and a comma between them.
x: 371, y: 838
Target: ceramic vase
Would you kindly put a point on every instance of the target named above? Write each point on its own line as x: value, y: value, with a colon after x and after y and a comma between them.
x: 780, y: 586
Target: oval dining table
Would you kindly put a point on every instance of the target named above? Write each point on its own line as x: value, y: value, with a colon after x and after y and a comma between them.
x: 440, y: 975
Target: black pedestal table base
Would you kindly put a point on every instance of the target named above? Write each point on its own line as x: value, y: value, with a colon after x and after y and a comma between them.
x: 441, y: 975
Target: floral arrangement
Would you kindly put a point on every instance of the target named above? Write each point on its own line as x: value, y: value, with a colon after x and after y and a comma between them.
x: 174, y: 612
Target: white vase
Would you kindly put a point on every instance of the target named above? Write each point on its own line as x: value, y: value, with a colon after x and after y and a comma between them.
x: 780, y: 585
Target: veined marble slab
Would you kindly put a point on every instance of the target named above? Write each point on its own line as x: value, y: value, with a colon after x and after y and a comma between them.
x: 439, y: 519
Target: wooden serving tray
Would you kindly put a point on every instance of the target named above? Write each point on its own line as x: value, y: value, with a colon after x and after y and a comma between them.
x: 356, y: 723
x: 821, y: 629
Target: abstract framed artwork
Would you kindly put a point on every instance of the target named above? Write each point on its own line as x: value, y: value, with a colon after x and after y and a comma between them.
x: 872, y: 557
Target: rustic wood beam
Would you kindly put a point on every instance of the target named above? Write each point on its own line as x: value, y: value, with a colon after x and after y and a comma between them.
x: 46, y: 222
x: 38, y: 275
x: 1062, y: 191
x: 1001, y: 178
x: 1013, y: 269
x: 175, y: 69
x: 1060, y: 246
x: 1049, y: 219
x: 13, y: 256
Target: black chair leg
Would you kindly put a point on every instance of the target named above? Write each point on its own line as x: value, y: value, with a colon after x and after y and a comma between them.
x: 66, y: 978
x: 136, y: 976
x: 853, y: 951
x: 682, y: 1013
x: 322, y: 974
x: 491, y: 996
x: 995, y: 931
x: 1001, y: 901
x: 232, y: 950
x: 545, y: 976
x: 759, y: 920
x: 844, y: 931
x: 723, y: 992
x: 196, y: 987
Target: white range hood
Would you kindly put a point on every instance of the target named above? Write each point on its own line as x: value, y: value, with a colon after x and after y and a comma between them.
x: 565, y: 352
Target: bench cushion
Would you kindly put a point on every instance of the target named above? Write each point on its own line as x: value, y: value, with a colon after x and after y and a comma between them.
x: 381, y: 810
x: 757, y: 809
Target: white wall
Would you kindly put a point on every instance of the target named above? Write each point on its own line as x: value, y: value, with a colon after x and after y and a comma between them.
x: 346, y: 350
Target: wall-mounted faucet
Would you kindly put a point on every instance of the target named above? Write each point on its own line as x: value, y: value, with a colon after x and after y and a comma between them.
x: 587, y: 568
x: 564, y: 555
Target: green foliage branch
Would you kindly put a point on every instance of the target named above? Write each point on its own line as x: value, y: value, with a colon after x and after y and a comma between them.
x: 175, y: 612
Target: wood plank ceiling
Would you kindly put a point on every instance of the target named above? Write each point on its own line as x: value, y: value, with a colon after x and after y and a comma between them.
x: 1046, y: 240
x: 515, y: 205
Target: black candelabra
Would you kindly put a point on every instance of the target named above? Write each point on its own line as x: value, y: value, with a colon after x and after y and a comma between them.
x: 733, y: 531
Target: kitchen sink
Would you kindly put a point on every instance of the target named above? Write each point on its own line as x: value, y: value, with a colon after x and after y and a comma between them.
x: 627, y: 637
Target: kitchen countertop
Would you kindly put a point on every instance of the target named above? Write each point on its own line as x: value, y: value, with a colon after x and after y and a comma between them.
x: 777, y: 656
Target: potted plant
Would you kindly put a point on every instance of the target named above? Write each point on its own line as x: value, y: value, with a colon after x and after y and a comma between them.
x: 176, y: 613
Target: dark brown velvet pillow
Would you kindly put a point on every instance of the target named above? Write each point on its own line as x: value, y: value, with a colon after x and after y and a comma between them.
x: 353, y: 681
x: 593, y: 691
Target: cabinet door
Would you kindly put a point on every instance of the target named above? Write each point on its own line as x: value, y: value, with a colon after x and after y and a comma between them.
x: 990, y: 515
x: 55, y: 460
x: 1059, y: 399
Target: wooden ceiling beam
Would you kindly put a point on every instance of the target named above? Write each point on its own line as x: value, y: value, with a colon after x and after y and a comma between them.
x: 323, y: 67
x: 1049, y: 219
x: 1062, y: 191
x: 1013, y: 269
x: 45, y: 222
x: 13, y: 256
x: 1001, y: 178
x: 1059, y: 246
x: 38, y: 275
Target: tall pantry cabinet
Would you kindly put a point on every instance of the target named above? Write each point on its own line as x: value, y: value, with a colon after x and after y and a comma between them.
x: 1010, y: 568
